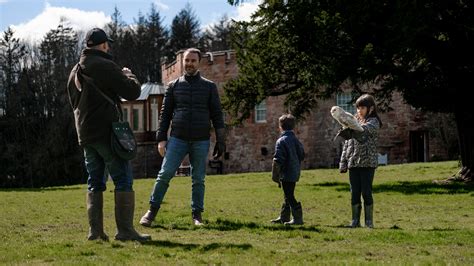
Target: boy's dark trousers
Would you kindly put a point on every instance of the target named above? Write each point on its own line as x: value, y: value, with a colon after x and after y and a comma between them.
x: 361, y: 179
x: 294, y: 206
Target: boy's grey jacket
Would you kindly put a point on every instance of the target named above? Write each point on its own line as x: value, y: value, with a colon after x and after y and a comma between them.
x: 189, y: 106
x: 289, y: 153
x: 361, y: 151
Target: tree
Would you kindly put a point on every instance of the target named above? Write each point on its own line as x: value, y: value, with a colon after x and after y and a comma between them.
x: 156, y: 38
x: 140, y: 42
x: 127, y: 56
x: 115, y: 27
x: 140, y: 47
x: 307, y: 50
x: 184, y: 31
x: 218, y: 36
x: 58, y: 53
x: 11, y: 52
x: 115, y: 30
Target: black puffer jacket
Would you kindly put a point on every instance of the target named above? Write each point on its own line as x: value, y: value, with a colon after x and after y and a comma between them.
x: 190, y: 104
x: 93, y: 114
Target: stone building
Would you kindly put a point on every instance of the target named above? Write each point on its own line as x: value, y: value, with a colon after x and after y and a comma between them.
x: 143, y: 114
x: 408, y: 134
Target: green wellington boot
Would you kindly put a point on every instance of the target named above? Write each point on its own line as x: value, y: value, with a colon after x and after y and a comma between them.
x: 356, y: 210
x: 94, y: 201
x: 369, y: 215
x: 124, y: 209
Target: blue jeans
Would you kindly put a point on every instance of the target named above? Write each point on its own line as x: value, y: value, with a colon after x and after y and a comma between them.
x: 361, y: 179
x: 98, y: 158
x: 176, y: 150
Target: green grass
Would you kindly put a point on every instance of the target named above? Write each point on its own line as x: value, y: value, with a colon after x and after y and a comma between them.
x: 417, y: 222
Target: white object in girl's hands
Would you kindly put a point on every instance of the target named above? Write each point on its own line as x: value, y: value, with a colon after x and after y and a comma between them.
x: 347, y: 120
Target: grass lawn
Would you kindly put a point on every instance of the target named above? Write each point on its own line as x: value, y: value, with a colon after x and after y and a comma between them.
x: 416, y: 222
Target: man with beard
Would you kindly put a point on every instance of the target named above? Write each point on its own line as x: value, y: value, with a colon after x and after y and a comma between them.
x: 190, y: 104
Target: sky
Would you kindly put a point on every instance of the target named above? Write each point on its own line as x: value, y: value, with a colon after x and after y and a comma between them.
x: 32, y: 19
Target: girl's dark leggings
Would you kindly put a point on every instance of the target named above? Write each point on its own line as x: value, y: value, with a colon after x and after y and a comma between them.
x: 289, y: 190
x: 361, y: 179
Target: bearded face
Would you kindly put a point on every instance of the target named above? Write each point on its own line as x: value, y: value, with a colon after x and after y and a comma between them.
x: 191, y: 63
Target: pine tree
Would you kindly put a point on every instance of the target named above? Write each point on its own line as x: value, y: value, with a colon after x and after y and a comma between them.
x: 58, y: 55
x: 11, y: 52
x: 156, y: 38
x: 115, y: 31
x: 141, y: 51
x: 184, y: 31
x: 218, y: 37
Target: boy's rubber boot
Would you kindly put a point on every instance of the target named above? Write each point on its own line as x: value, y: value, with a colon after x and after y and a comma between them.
x: 356, y: 210
x: 297, y: 213
x: 369, y: 215
x: 149, y: 217
x: 95, y: 201
x: 284, y: 215
x: 124, y: 208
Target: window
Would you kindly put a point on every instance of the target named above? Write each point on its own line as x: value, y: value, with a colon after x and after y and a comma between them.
x: 343, y: 100
x: 261, y: 112
x: 155, y: 113
x: 136, y: 119
x: 125, y: 114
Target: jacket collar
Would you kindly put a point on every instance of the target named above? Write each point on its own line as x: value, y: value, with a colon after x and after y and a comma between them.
x: 193, y: 78
x: 288, y: 133
x: 89, y: 51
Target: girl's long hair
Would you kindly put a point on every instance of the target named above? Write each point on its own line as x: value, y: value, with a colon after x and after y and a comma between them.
x: 368, y: 101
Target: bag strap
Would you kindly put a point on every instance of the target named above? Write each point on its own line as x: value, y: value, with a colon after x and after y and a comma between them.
x: 91, y: 82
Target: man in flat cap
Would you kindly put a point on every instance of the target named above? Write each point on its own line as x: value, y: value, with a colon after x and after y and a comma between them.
x: 93, y: 77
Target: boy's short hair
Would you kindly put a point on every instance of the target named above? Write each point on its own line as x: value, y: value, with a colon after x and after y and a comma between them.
x: 287, y: 122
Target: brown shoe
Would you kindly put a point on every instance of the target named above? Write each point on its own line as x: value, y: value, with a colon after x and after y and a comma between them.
x: 149, y: 217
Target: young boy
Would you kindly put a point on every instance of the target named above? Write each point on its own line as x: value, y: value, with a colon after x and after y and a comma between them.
x: 289, y: 154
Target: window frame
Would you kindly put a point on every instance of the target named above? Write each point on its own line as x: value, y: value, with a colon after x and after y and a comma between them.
x: 344, y: 100
x: 259, y: 108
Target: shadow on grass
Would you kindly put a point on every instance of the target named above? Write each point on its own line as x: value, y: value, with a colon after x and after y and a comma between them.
x: 363, y: 227
x: 169, y: 244
x: 228, y: 225
x: 207, y: 247
x: 45, y: 189
x: 423, y: 187
x: 407, y: 187
x: 340, y: 186
x: 437, y: 229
